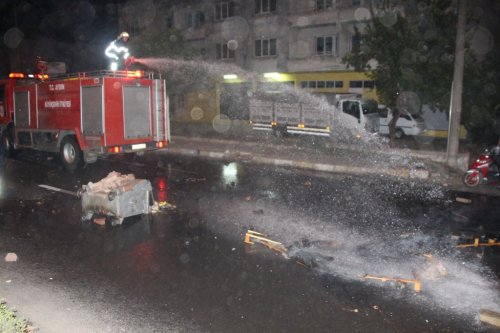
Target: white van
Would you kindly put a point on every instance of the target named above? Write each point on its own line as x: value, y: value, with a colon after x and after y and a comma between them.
x: 408, y: 124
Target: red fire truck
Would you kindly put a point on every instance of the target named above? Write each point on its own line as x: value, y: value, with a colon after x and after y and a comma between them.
x: 84, y: 116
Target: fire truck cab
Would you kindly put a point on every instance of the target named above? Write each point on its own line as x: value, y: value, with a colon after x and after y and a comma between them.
x: 84, y: 116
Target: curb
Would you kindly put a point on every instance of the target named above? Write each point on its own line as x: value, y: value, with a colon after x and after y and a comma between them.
x: 450, y: 179
x: 300, y: 164
x: 439, y: 157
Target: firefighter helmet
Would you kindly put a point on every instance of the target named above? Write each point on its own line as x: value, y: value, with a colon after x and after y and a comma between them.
x: 124, y: 35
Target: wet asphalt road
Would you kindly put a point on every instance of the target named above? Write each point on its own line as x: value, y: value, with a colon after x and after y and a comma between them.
x: 188, y: 270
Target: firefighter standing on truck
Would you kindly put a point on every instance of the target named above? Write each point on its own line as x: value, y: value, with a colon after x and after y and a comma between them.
x: 117, y: 51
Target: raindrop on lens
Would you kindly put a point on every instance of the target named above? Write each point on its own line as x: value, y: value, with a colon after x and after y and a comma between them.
x: 482, y: 41
x: 196, y: 113
x: 409, y: 101
x: 232, y: 45
x: 13, y: 37
x: 221, y: 123
x: 362, y: 14
x: 184, y: 258
x: 302, y: 21
x: 388, y: 19
x: 235, y: 28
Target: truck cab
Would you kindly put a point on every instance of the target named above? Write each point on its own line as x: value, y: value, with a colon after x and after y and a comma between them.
x: 358, y: 114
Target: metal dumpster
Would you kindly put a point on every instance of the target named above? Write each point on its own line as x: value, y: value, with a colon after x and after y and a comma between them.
x: 117, y: 196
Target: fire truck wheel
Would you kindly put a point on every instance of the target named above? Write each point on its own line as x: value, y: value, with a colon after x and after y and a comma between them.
x: 71, y: 154
x: 8, y: 144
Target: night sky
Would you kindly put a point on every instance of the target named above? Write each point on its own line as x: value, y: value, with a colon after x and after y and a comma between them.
x: 71, y: 31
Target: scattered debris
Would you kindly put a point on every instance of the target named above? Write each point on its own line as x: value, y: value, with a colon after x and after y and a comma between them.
x: 416, y: 283
x: 463, y: 200
x: 57, y: 189
x: 100, y: 220
x: 321, y: 244
x: 489, y: 317
x: 433, y: 269
x: 11, y: 257
x: 252, y: 237
x: 311, y: 254
x: 490, y: 242
x: 194, y: 180
x: 162, y: 206
x: 311, y: 259
x: 350, y: 310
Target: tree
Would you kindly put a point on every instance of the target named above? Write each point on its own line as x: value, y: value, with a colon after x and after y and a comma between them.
x: 413, y: 47
x: 481, y: 103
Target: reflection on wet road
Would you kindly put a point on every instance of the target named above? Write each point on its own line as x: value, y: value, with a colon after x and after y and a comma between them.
x: 186, y: 269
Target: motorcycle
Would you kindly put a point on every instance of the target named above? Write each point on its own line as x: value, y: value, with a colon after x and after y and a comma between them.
x: 482, y: 171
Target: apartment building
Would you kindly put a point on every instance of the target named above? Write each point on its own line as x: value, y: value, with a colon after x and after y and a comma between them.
x: 301, y: 40
x: 258, y: 35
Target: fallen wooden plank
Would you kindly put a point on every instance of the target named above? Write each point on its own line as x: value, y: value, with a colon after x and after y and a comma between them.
x: 253, y: 236
x: 417, y: 286
x: 490, y: 242
x: 463, y: 200
x: 490, y: 317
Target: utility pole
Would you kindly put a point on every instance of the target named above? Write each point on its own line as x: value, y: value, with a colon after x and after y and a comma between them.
x: 457, y: 88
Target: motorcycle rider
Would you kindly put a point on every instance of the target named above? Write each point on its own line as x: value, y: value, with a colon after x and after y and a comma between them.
x: 117, y: 50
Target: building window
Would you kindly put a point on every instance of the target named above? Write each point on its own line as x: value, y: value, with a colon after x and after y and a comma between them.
x: 321, y: 84
x: 223, y: 52
x: 188, y: 20
x: 265, y: 47
x: 323, y: 4
x: 335, y: 84
x: 355, y: 42
x: 362, y: 84
x: 326, y: 45
x: 265, y: 6
x: 194, y: 20
x: 169, y: 21
x: 224, y: 10
x: 199, y: 19
x: 356, y: 2
x: 369, y: 84
x: 355, y: 84
x: 133, y: 27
